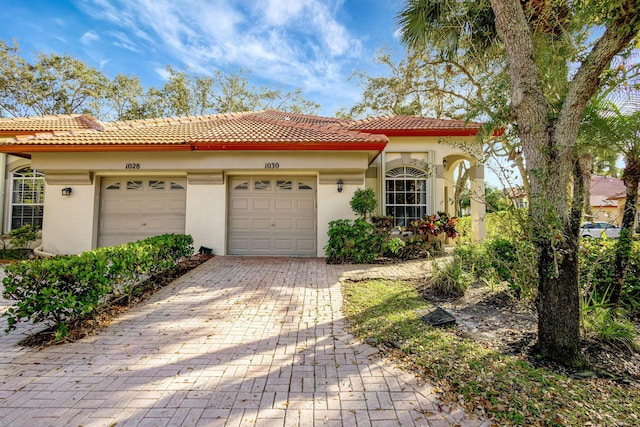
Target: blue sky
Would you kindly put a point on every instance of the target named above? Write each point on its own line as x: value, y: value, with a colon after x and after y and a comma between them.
x: 311, y: 44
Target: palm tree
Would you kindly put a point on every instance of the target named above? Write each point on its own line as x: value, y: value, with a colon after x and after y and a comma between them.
x: 614, y: 121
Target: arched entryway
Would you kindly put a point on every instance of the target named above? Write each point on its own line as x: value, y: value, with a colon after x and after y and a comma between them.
x: 449, y: 179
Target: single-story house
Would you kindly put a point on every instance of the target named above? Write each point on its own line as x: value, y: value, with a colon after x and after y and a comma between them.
x: 254, y: 183
x: 604, y: 205
x: 620, y: 200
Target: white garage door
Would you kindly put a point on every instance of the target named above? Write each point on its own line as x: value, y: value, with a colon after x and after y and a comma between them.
x: 135, y: 208
x: 272, y: 216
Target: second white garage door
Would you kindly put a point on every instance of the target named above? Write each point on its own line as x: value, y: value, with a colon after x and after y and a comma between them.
x: 135, y: 208
x: 272, y: 216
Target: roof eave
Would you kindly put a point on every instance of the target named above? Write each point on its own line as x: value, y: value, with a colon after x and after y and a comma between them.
x: 70, y: 148
x: 274, y: 146
x: 377, y: 146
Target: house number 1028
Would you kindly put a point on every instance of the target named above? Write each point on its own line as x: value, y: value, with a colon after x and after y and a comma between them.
x: 272, y: 165
x: 132, y: 166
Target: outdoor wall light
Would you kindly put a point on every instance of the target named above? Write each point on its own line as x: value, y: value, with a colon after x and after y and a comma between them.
x: 66, y: 191
x: 340, y: 186
x: 444, y: 162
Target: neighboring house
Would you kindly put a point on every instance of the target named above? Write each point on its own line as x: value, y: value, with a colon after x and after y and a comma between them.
x: 22, y: 188
x: 604, y: 206
x: 256, y: 183
x: 620, y: 199
x: 518, y: 197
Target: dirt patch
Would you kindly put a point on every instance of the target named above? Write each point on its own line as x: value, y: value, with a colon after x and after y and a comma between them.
x: 497, y: 320
x: 105, y: 314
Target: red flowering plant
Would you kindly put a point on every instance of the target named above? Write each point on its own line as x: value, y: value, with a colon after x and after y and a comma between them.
x: 435, y: 225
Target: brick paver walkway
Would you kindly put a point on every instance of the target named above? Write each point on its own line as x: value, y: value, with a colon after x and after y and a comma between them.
x: 235, y: 342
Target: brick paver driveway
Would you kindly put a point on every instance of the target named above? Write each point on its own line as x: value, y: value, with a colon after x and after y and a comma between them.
x: 235, y: 342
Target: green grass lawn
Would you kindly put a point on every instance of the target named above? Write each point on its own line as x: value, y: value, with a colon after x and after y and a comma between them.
x: 509, y: 390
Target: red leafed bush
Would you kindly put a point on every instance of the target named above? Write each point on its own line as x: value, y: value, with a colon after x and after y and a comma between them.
x: 435, y: 225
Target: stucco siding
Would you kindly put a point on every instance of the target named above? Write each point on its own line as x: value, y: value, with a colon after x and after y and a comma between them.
x: 70, y: 222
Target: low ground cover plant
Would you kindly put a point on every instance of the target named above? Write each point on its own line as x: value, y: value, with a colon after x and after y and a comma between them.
x: 62, y: 289
x: 508, y: 389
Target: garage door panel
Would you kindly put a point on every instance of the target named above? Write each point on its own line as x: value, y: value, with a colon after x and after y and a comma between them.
x: 239, y: 224
x: 283, y: 244
x: 306, y: 205
x: 155, y: 205
x: 261, y: 244
x: 306, y: 244
x: 278, y: 216
x: 240, y: 204
x: 111, y: 224
x: 239, y: 244
x: 306, y: 224
x: 135, y: 208
x: 284, y: 204
x: 261, y: 205
x: 130, y: 205
x: 175, y: 225
x: 284, y: 224
x: 260, y: 224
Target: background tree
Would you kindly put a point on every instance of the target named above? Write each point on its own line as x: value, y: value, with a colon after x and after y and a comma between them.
x: 53, y: 84
x: 428, y: 83
x: 540, y: 40
x: 495, y: 199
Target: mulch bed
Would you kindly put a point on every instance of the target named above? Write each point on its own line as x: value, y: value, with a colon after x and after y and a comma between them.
x: 496, y: 319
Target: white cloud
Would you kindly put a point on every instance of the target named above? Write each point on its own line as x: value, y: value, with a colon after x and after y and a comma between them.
x: 297, y: 42
x: 124, y: 41
x: 89, y: 37
x: 163, y: 73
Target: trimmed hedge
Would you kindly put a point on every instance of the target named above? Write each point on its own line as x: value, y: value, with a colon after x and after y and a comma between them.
x: 63, y: 289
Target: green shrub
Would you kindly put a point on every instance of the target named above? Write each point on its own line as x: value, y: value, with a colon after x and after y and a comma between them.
x: 393, y: 246
x: 451, y: 278
x: 508, y: 224
x: 352, y: 242
x: 501, y: 260
x: 22, y: 237
x: 363, y: 202
x: 62, y: 289
x: 596, y: 272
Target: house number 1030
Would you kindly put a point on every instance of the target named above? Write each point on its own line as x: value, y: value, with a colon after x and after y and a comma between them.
x: 272, y: 165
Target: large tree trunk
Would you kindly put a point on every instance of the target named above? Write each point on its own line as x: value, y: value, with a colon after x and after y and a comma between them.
x: 631, y: 177
x: 549, y: 148
x: 550, y: 168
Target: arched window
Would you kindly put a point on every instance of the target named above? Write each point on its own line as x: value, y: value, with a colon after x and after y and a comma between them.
x: 407, y: 194
x: 27, y: 198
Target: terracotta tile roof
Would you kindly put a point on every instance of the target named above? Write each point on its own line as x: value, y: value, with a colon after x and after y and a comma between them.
x: 255, y: 128
x: 414, y: 125
x: 604, y: 187
x: 262, y: 130
x: 299, y: 118
x: 19, y: 125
